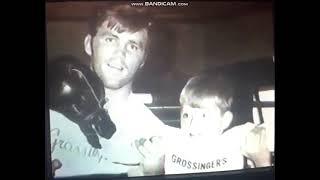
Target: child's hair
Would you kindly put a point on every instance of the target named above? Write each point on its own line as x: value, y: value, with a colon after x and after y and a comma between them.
x: 218, y: 87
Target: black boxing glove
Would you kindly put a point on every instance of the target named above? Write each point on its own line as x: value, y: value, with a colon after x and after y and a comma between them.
x: 78, y: 93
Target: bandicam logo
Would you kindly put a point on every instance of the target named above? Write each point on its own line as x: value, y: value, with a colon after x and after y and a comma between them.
x: 157, y: 4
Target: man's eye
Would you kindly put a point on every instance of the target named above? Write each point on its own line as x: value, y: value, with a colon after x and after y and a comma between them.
x: 110, y: 40
x: 133, y: 47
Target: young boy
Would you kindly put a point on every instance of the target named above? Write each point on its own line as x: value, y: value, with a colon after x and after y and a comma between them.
x: 205, y: 143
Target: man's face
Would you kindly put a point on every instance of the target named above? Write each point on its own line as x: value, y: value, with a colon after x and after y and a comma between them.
x: 199, y: 121
x: 117, y: 56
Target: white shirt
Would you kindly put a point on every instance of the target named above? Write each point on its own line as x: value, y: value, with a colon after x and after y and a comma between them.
x: 133, y: 121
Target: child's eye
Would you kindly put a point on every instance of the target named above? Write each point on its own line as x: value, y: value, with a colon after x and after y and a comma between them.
x: 185, y: 115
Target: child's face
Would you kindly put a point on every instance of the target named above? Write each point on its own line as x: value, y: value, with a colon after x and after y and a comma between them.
x: 203, y: 120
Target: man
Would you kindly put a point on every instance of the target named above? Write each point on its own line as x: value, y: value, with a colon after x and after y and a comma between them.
x: 117, y: 45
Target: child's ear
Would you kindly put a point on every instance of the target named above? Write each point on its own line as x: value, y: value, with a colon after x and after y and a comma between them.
x: 226, y: 120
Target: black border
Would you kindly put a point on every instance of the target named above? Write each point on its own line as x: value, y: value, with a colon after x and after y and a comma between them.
x: 23, y: 80
x: 257, y: 173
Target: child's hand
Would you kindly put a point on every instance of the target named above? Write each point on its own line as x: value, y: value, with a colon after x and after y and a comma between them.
x: 153, y: 155
x: 255, y: 147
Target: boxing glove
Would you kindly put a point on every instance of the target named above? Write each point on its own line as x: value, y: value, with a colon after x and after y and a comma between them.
x: 77, y: 92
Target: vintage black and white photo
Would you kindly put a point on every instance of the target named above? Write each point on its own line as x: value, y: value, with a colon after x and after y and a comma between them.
x: 146, y: 89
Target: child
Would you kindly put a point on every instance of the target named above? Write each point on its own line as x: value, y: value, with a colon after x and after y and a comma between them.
x: 205, y: 143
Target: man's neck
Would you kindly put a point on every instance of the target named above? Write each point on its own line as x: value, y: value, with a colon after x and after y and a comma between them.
x: 118, y: 95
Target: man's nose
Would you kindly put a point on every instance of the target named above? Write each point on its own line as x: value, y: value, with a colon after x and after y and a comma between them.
x: 120, y: 52
x: 122, y: 49
x: 118, y: 55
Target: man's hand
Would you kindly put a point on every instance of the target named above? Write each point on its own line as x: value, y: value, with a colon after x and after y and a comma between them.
x: 152, y: 151
x: 255, y: 147
x: 56, y: 164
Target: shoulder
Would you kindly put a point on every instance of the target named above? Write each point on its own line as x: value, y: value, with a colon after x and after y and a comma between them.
x: 239, y: 133
x: 241, y: 129
x: 147, y: 117
x: 58, y: 120
x: 141, y: 109
x: 54, y: 114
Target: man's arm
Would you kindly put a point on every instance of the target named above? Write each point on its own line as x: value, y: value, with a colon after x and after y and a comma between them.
x: 152, y: 152
x: 255, y: 147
